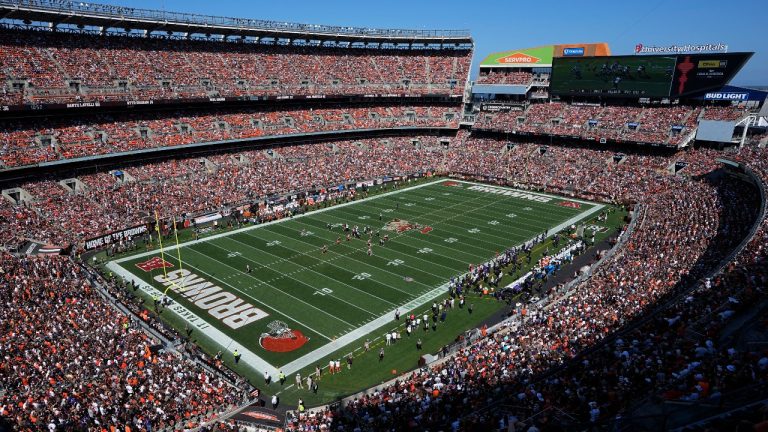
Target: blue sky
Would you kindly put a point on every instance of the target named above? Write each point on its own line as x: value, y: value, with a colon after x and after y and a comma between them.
x: 498, y: 25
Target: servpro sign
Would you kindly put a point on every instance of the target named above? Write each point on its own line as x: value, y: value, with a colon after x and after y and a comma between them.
x: 519, y: 58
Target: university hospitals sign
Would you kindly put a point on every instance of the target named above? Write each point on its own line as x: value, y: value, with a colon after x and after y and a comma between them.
x: 680, y: 49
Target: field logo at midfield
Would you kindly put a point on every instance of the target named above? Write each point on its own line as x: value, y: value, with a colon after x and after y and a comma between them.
x: 153, y: 264
x: 280, y: 338
x: 400, y: 225
x: 570, y: 204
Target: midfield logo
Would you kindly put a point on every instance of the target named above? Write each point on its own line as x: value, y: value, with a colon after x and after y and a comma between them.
x: 399, y: 225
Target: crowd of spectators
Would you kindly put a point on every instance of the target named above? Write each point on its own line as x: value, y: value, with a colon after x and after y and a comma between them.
x: 724, y: 113
x: 107, y: 202
x: 505, y: 77
x: 60, y: 67
x: 675, y: 354
x: 26, y: 142
x: 687, y: 224
x: 656, y: 125
x: 72, y: 362
x: 88, y: 136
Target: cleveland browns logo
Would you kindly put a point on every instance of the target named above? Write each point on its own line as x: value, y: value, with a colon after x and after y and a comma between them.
x: 399, y: 225
x: 154, y: 263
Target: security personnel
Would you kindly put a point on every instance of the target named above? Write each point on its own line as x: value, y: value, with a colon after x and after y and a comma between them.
x: 281, y: 377
x: 237, y: 356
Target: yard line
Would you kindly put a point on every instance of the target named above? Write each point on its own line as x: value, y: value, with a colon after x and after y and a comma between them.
x: 266, y: 224
x: 268, y: 285
x: 468, y: 214
x: 415, y: 219
x: 463, y: 228
x: 392, y: 240
x: 425, y: 214
x: 320, y: 261
x: 301, y: 268
x: 437, y: 223
x: 441, y: 277
x: 372, y: 266
x: 517, y: 202
x: 309, y: 254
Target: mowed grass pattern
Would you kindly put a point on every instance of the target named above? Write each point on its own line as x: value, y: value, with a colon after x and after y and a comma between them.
x: 328, y: 295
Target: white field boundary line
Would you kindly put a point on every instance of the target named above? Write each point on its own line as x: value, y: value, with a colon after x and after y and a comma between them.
x: 525, y: 191
x: 300, y: 282
x: 265, y: 224
x: 436, y: 223
x: 199, y: 324
x: 325, y: 350
x: 260, y: 282
x: 552, y: 208
x: 311, y: 268
x: 257, y: 362
x: 487, y: 234
x: 559, y: 211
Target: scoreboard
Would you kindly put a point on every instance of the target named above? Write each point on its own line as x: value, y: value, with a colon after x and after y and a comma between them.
x: 662, y: 76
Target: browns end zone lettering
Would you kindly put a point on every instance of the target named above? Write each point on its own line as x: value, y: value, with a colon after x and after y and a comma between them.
x: 224, y: 306
x: 511, y: 193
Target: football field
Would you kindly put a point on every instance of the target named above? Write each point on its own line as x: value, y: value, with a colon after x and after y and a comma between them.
x: 272, y: 293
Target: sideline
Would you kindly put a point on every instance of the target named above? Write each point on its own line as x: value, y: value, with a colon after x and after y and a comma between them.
x: 260, y: 365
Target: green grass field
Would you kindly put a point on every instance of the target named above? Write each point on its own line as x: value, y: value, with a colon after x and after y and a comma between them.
x: 342, y: 297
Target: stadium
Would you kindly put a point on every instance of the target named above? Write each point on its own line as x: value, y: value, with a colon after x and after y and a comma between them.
x: 230, y: 224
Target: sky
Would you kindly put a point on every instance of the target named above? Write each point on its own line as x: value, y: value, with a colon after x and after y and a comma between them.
x: 498, y: 25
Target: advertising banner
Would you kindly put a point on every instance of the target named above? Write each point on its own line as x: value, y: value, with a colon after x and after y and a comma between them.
x: 115, y: 237
x: 697, y: 74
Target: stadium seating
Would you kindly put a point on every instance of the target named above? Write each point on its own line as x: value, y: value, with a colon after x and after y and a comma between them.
x: 179, y: 186
x: 646, y: 323
x: 658, y: 356
x: 503, y: 77
x: 655, y: 125
x: 70, y: 137
x: 73, y: 362
x: 701, y: 220
x: 66, y: 68
x: 729, y: 113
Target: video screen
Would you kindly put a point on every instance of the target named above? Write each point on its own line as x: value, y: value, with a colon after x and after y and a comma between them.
x: 696, y: 74
x: 624, y: 76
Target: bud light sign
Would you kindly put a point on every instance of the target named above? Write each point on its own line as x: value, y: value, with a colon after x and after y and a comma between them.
x: 727, y: 96
x: 573, y: 52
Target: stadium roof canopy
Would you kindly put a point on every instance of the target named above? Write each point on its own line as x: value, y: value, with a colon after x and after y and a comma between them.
x: 541, y: 56
x: 103, y: 16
